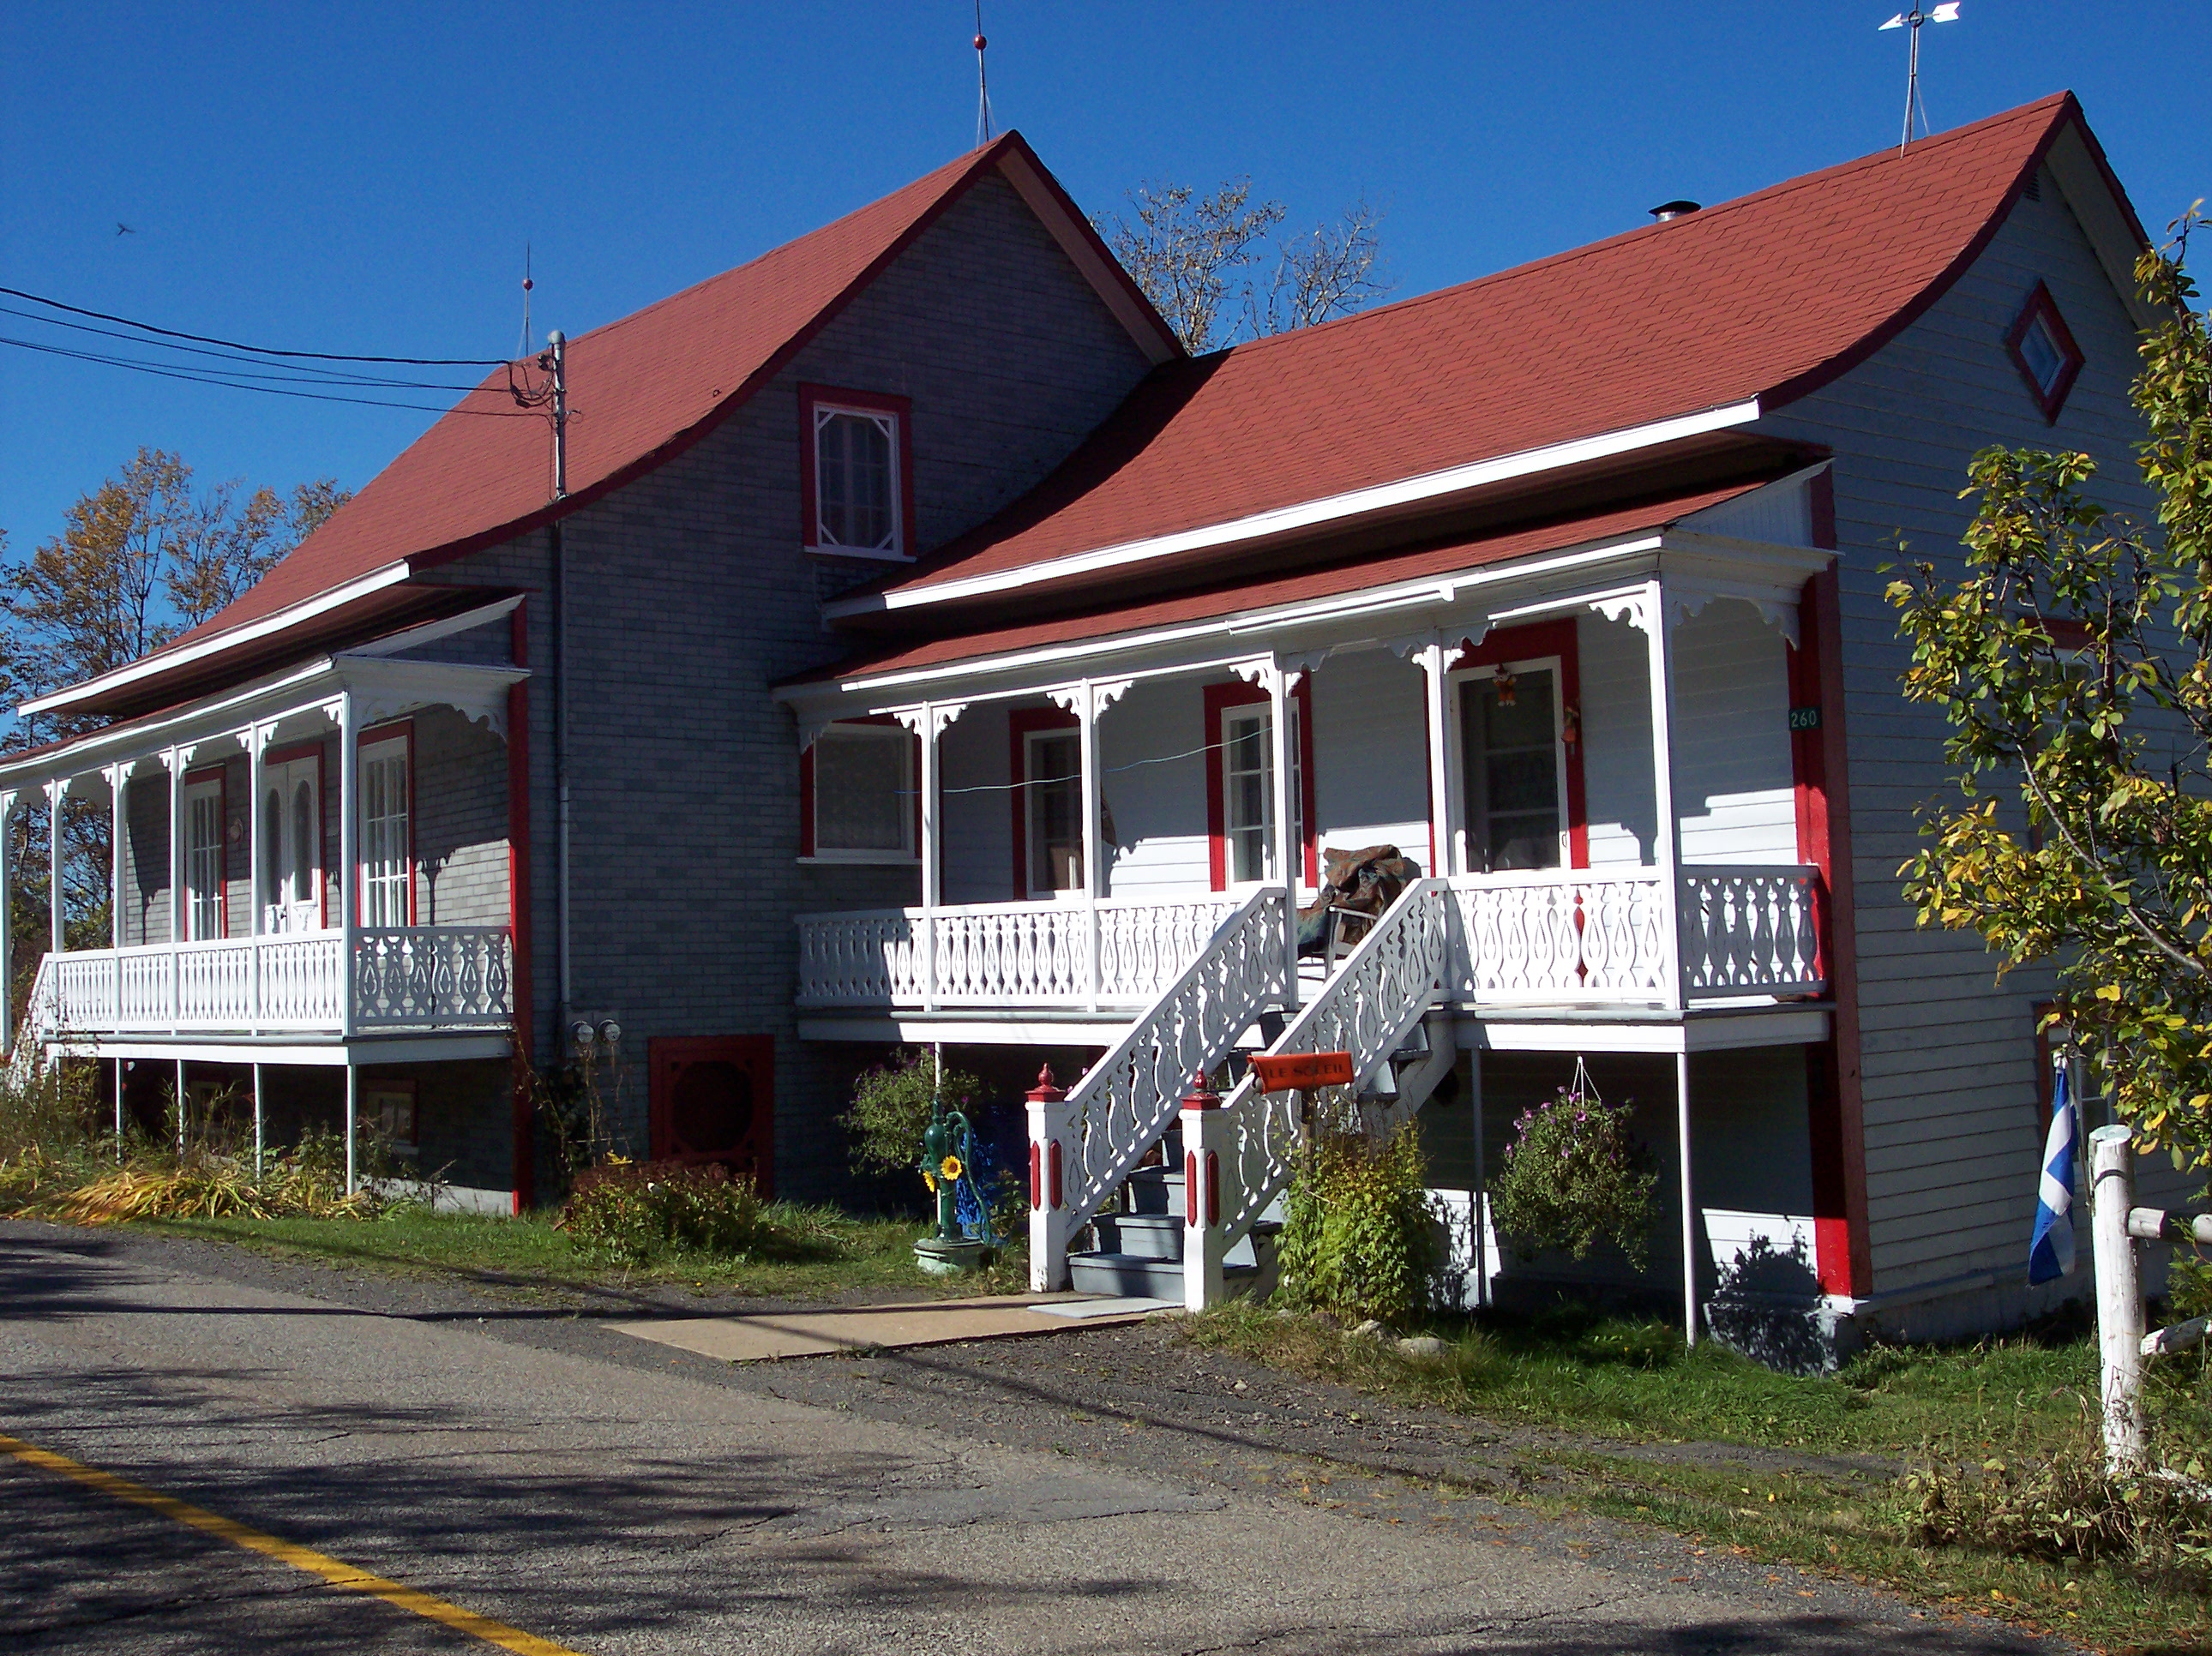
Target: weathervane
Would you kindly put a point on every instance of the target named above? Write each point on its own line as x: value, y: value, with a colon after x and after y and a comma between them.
x: 983, y: 86
x: 1947, y: 13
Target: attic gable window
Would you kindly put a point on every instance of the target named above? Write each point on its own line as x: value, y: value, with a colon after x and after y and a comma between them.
x: 2043, y: 348
x: 856, y: 488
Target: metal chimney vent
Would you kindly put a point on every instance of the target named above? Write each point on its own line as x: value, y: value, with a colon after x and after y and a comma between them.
x: 1667, y: 211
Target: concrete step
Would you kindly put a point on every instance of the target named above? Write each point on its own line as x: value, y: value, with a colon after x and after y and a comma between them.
x: 1127, y: 1274
x: 1142, y: 1235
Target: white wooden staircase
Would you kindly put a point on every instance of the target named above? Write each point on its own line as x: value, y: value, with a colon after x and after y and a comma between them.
x: 1184, y: 1229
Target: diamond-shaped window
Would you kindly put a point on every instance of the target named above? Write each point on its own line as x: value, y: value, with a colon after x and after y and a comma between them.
x: 2043, y: 348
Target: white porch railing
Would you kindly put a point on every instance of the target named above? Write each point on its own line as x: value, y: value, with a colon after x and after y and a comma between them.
x: 1033, y: 954
x: 1578, y: 936
x: 402, y: 977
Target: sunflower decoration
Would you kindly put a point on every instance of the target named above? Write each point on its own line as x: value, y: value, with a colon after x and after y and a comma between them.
x: 950, y: 1169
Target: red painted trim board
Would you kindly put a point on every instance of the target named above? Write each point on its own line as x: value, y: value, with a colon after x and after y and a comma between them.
x: 1020, y: 724
x: 1237, y: 694
x: 1537, y: 639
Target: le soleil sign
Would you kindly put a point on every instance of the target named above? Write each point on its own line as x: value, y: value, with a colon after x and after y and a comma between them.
x: 1295, y: 1072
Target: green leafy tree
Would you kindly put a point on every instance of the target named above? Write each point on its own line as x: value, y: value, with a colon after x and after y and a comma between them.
x: 2073, y: 663
x: 138, y: 559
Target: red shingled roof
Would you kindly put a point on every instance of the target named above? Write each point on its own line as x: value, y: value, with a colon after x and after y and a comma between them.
x: 1522, y: 541
x: 1767, y: 296
x: 646, y: 388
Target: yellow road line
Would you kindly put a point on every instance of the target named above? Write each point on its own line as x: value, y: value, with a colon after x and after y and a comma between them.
x: 338, y: 1575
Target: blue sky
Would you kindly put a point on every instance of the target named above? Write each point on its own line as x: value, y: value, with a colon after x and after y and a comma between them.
x: 364, y: 180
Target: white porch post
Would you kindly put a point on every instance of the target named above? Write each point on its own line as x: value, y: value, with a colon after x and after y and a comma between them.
x: 56, y: 798
x: 352, y: 1115
x: 180, y: 907
x: 118, y: 777
x: 257, y: 1120
x: 181, y: 1097
x: 1286, y: 847
x: 1435, y: 672
x: 930, y: 893
x: 1666, y: 828
x: 1689, y: 1200
x: 1093, y: 872
x: 257, y: 738
x: 1479, y: 1206
x: 929, y: 721
x: 348, y: 882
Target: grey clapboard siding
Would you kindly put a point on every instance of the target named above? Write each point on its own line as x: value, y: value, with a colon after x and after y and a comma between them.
x: 1952, y: 1150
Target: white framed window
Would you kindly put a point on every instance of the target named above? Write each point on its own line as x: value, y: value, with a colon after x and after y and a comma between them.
x: 1053, y: 801
x: 292, y: 843
x: 203, y: 856
x: 864, y: 794
x: 1248, y: 789
x: 1514, y: 766
x: 857, y: 486
x: 387, y: 846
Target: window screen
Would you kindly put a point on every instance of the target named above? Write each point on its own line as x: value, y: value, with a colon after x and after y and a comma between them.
x: 863, y: 790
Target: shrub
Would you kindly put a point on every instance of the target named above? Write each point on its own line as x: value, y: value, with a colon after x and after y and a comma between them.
x: 891, y: 1108
x: 2060, y: 1507
x: 1360, y: 1239
x: 308, y: 1181
x: 636, y: 1212
x: 1575, y: 1176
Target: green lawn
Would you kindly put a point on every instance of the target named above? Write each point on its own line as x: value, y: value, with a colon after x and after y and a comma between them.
x: 1635, y: 1381
x: 843, y: 1255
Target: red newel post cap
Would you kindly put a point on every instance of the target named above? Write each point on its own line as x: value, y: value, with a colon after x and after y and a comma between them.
x: 1202, y: 1096
x: 1044, y: 1092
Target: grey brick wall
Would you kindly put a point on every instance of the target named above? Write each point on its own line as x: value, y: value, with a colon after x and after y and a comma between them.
x: 690, y: 596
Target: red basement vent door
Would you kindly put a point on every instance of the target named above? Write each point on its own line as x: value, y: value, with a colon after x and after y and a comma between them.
x: 713, y: 1100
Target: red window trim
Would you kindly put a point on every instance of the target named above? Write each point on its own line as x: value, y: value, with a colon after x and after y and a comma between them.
x: 1021, y: 724
x: 806, y: 793
x: 285, y: 756
x: 1529, y: 642
x: 390, y: 730
x: 221, y: 775
x: 1218, y: 699
x: 2041, y: 304
x: 900, y: 408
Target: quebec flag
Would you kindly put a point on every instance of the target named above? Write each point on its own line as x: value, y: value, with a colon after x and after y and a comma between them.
x: 2050, y: 1254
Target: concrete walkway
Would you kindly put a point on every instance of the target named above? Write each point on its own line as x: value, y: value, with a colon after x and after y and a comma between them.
x: 766, y: 1336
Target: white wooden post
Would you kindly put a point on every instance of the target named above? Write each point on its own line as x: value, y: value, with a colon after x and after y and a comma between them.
x: 1051, y: 1150
x: 1093, y: 868
x: 1666, y: 828
x: 180, y: 907
x: 352, y: 1116
x: 56, y: 798
x: 117, y: 776
x: 1479, y: 1206
x: 930, y: 871
x: 2119, y: 1297
x: 1435, y: 661
x: 257, y: 738
x: 1205, y: 1146
x: 1286, y: 847
x: 258, y: 1139
x: 1689, y: 1200
x: 181, y: 1097
x: 348, y: 881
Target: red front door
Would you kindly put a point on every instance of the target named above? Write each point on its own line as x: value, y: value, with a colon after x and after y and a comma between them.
x: 713, y: 1100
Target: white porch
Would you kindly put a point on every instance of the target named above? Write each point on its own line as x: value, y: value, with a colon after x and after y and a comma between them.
x: 281, y: 927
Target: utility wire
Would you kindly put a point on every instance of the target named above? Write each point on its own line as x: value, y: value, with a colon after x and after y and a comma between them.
x: 181, y: 373
x: 260, y: 350
x: 305, y: 375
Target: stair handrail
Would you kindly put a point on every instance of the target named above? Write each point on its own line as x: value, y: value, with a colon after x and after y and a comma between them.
x: 1380, y: 991
x: 1129, y: 1098
x: 39, y: 1021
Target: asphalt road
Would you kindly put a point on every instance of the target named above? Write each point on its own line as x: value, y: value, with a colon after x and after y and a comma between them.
x: 605, y: 1494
